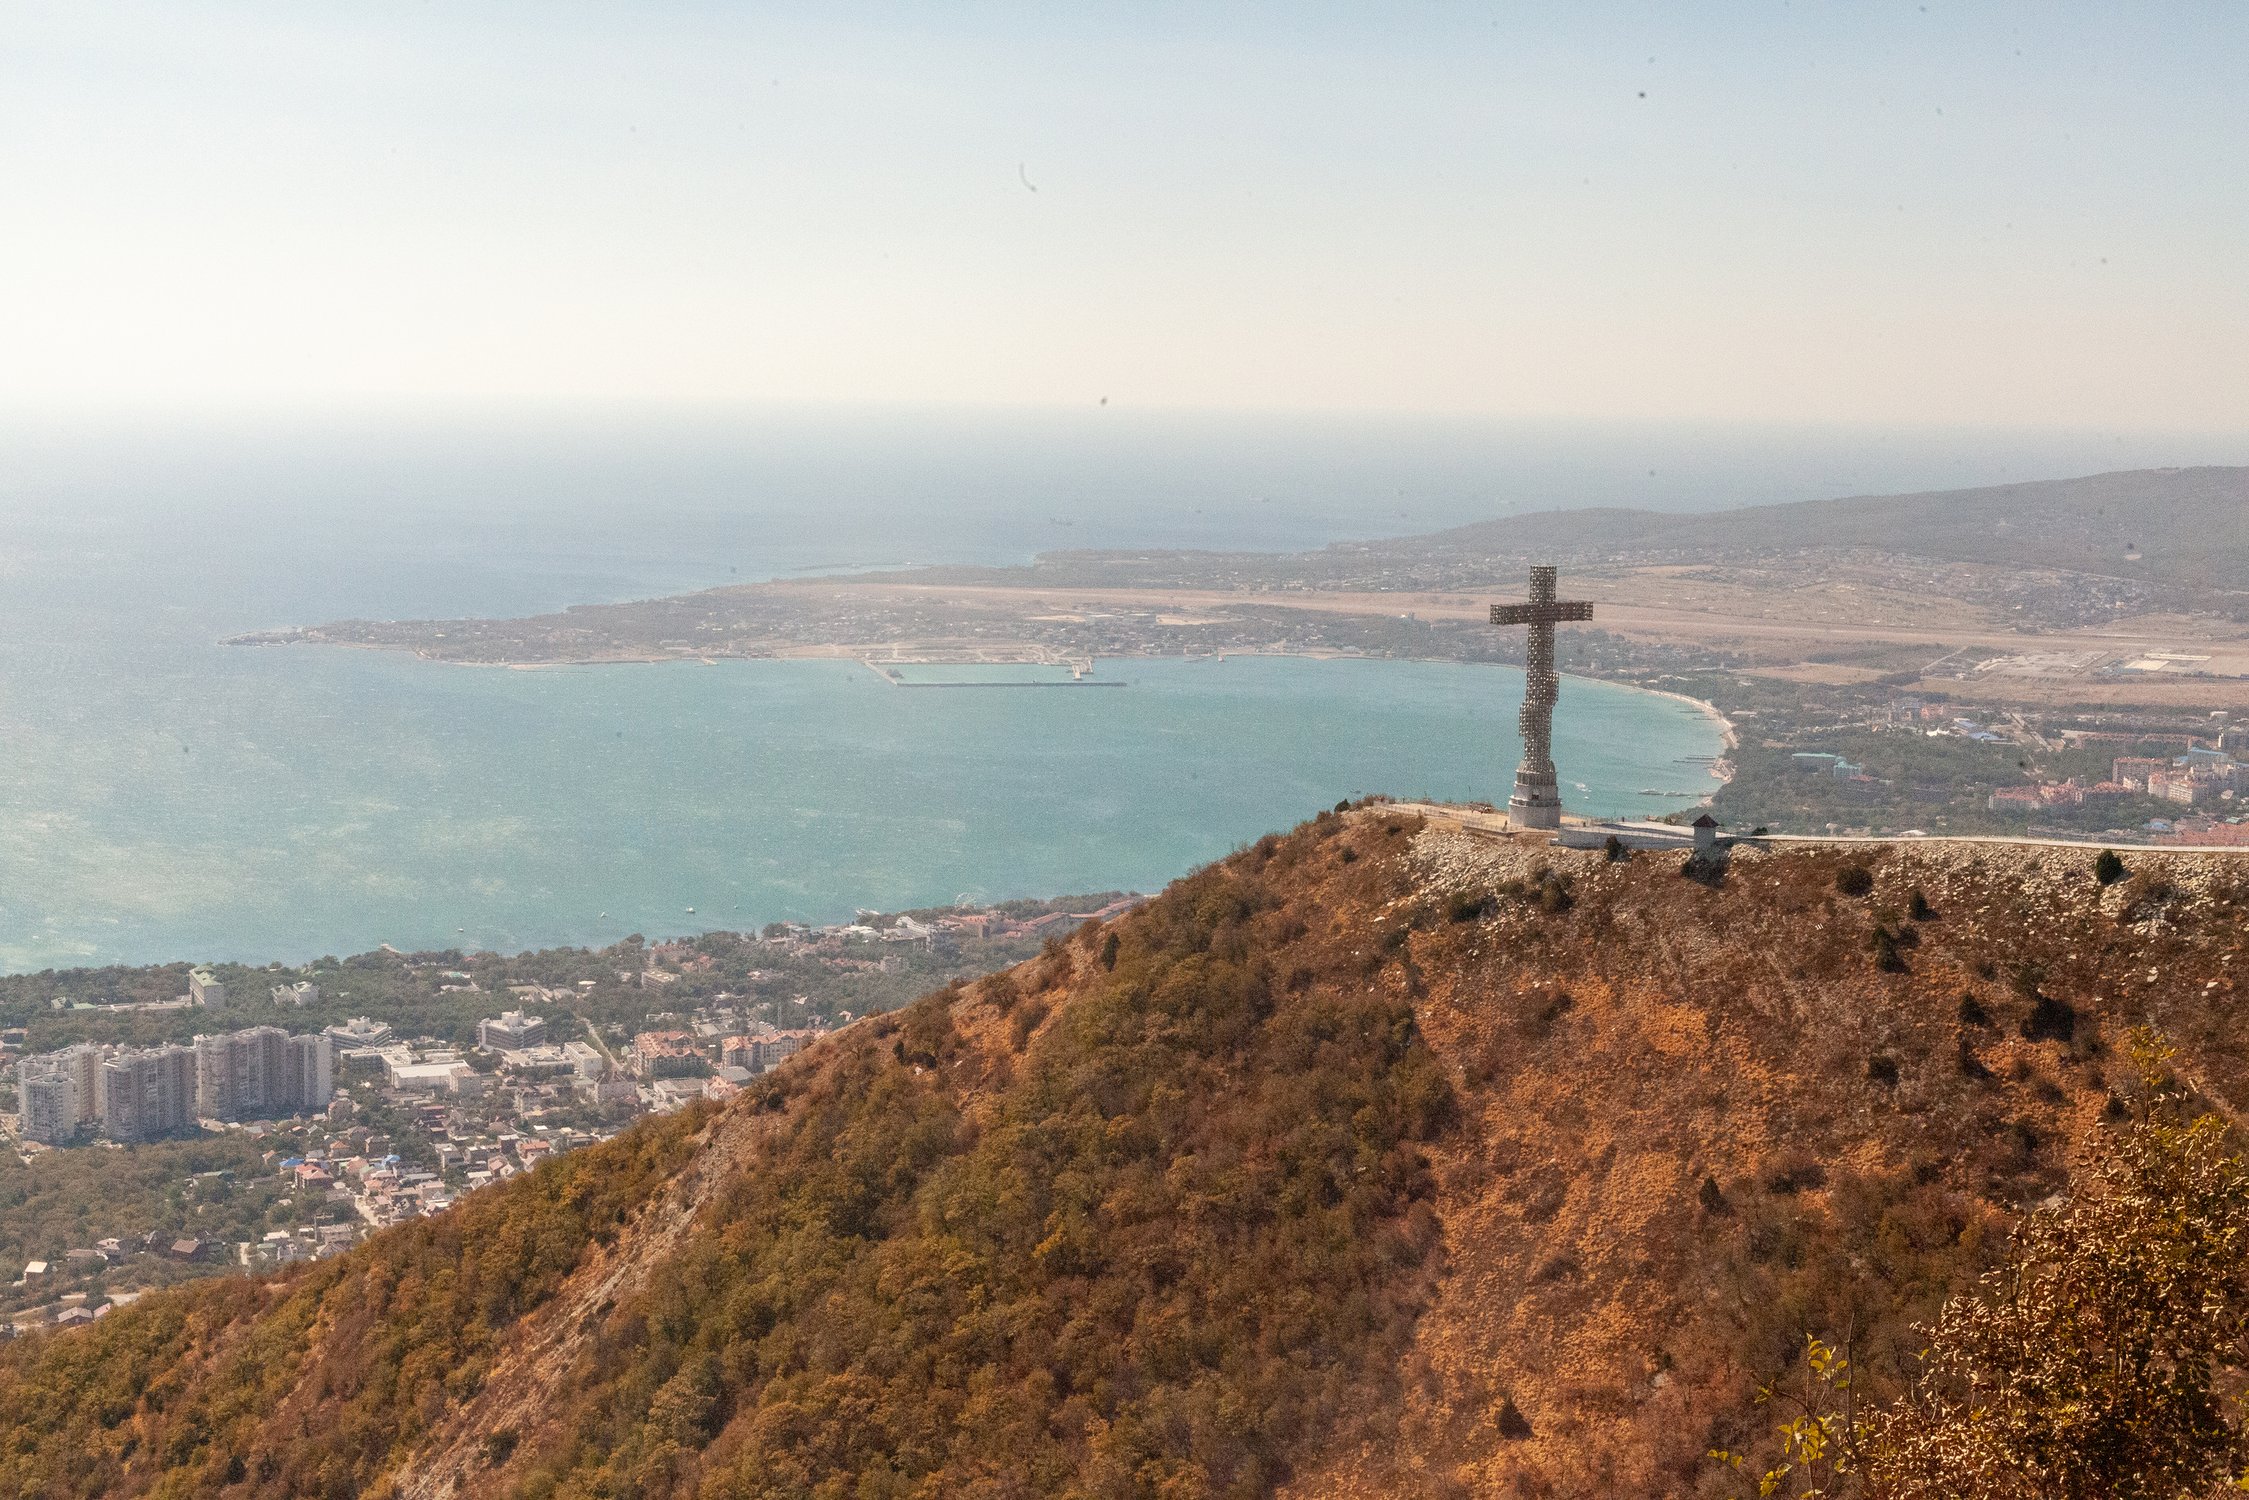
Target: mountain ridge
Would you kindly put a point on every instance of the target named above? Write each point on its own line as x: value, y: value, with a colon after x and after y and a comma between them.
x: 2180, y: 527
x: 1377, y: 1159
x: 2190, y: 526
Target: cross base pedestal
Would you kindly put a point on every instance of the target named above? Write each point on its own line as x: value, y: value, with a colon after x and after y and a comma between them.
x: 1537, y: 802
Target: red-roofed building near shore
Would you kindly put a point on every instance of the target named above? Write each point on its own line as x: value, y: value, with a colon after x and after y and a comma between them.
x: 652, y: 1047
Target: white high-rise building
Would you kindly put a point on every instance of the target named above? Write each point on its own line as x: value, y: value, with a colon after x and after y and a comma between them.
x: 205, y: 990
x: 214, y: 1077
x: 47, y: 1103
x: 232, y: 1070
x: 311, y: 1069
x: 127, y: 1093
x: 148, y: 1092
x: 59, y: 1093
x: 84, y: 1064
x: 262, y: 1071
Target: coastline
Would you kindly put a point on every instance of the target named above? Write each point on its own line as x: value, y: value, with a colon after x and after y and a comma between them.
x: 1722, y: 768
x: 768, y: 791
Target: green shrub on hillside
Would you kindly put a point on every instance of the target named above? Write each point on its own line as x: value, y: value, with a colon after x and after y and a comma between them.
x: 1189, y: 1230
x: 2106, y: 1359
x: 2103, y: 1359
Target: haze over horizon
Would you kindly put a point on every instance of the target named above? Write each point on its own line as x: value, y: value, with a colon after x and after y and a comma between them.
x: 1992, y: 216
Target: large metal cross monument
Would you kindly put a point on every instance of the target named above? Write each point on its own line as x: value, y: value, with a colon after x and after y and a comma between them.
x: 1537, y: 802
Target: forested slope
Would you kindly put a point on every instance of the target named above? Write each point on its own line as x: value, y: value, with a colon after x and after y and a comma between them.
x: 1371, y: 1161
x: 1147, y: 1215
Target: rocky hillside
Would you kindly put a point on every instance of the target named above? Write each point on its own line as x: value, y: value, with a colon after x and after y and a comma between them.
x: 1375, y: 1160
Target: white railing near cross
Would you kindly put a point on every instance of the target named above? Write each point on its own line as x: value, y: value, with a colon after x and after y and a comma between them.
x: 1537, y: 802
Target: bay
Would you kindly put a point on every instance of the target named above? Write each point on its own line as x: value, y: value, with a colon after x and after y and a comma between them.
x: 335, y: 800
x: 164, y: 797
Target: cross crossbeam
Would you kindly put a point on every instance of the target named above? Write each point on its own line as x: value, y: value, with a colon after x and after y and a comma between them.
x: 1537, y: 802
x: 1541, y: 614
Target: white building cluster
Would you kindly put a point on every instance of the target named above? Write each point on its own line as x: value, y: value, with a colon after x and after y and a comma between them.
x: 360, y: 1031
x: 126, y: 1093
x: 758, y: 1053
x: 511, y: 1031
x: 141, y: 1093
x: 440, y: 1070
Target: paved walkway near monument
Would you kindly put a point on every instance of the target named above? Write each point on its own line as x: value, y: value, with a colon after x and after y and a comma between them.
x: 1475, y: 820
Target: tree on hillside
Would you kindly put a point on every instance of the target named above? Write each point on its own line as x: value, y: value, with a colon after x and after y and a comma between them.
x: 1815, y: 1451
x: 2108, y: 1357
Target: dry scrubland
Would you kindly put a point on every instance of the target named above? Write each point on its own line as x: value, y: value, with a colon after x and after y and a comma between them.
x: 1701, y: 1122
x: 1375, y: 1160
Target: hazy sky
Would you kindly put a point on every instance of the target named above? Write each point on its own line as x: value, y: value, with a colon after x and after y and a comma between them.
x: 1812, y: 212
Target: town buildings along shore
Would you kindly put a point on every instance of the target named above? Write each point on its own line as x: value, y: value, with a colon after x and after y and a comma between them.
x: 144, y: 1093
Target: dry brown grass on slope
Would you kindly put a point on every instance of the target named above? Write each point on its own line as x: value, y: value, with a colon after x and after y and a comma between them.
x: 1702, y: 1123
x: 1684, y: 1124
x: 1698, y: 1123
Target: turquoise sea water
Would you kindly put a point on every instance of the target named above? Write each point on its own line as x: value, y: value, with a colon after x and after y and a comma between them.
x: 165, y: 797
x: 332, y: 800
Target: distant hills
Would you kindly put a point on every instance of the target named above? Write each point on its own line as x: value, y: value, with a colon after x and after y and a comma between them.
x: 2054, y: 553
x: 2177, y: 529
x: 2187, y: 527
x: 1373, y: 1160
